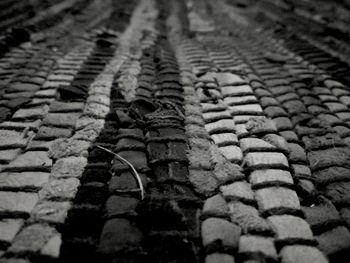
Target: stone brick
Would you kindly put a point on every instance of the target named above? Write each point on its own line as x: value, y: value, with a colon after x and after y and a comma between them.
x: 239, y: 100
x: 271, y: 159
x: 17, y: 201
x: 248, y: 218
x: 249, y: 244
x: 232, y: 153
x: 7, y: 156
x: 224, y: 79
x: 31, y: 160
x: 50, y: 211
x: 334, y: 241
x: 12, y: 139
x: 329, y: 157
x: 260, y: 125
x: 59, y: 106
x: 28, y: 180
x: 31, y: 113
x: 96, y: 110
x: 60, y: 189
x: 216, y: 230
x: 68, y: 147
x: 321, y: 214
x: 236, y: 90
x: 238, y: 190
x: 289, y: 227
x: 224, y: 139
x: 215, y: 206
x: 31, y: 125
x: 277, y: 141
x: 51, y: 133
x: 38, y: 145
x: 269, y: 176
x: 216, y: 115
x: 120, y: 205
x: 219, y: 258
x: 246, y: 109
x: 255, y: 144
x: 277, y: 198
x: 69, y: 167
x: 220, y: 126
x: 119, y: 234
x: 302, y: 254
x: 9, y: 228
x: 32, y: 238
x: 66, y: 120
x: 203, y: 181
x: 46, y: 93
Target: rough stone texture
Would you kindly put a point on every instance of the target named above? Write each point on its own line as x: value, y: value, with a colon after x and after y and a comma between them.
x: 119, y: 234
x: 69, y: 167
x: 203, y: 181
x: 50, y: 211
x: 219, y: 258
x: 31, y: 160
x: 249, y: 244
x: 61, y: 119
x: 277, y: 197
x: 12, y: 139
x: 270, y: 176
x: 17, y: 201
x: 302, y: 254
x: 59, y: 106
x: 238, y: 190
x: 215, y: 206
x: 334, y: 241
x: 32, y: 238
x: 248, y: 218
x: 31, y: 113
x: 27, y: 180
x: 51, y: 133
x: 266, y: 159
x: 9, y: 229
x: 60, y: 189
x: 67, y: 147
x: 219, y: 230
x: 287, y: 226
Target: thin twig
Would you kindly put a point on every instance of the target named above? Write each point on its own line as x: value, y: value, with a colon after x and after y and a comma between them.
x: 135, y: 173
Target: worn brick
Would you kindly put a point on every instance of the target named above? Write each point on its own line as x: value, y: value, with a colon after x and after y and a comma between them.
x: 27, y: 180
x: 50, y: 211
x: 215, y: 206
x: 236, y: 90
x: 51, y: 133
x: 296, y: 153
x: 66, y: 120
x: 119, y: 234
x: 219, y: 258
x: 283, y: 123
x: 270, y: 175
x: 31, y: 113
x: 289, y: 227
x: 32, y: 238
x: 329, y: 157
x: 96, y: 110
x: 224, y: 139
x: 203, y: 181
x: 9, y: 228
x: 334, y: 241
x: 260, y: 125
x: 60, y: 189
x: 7, y: 156
x: 277, y: 198
x: 69, y: 167
x: 68, y: 147
x: 31, y: 160
x: 248, y: 218
x: 238, y: 190
x: 220, y: 230
x: 59, y: 106
x: 255, y: 144
x: 17, y: 201
x: 257, y: 159
x: 232, y: 153
x: 12, y: 139
x: 216, y: 115
x: 220, y: 126
x: 250, y: 244
x: 302, y: 254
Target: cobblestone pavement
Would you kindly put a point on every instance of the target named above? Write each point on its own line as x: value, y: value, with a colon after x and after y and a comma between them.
x: 233, y: 117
